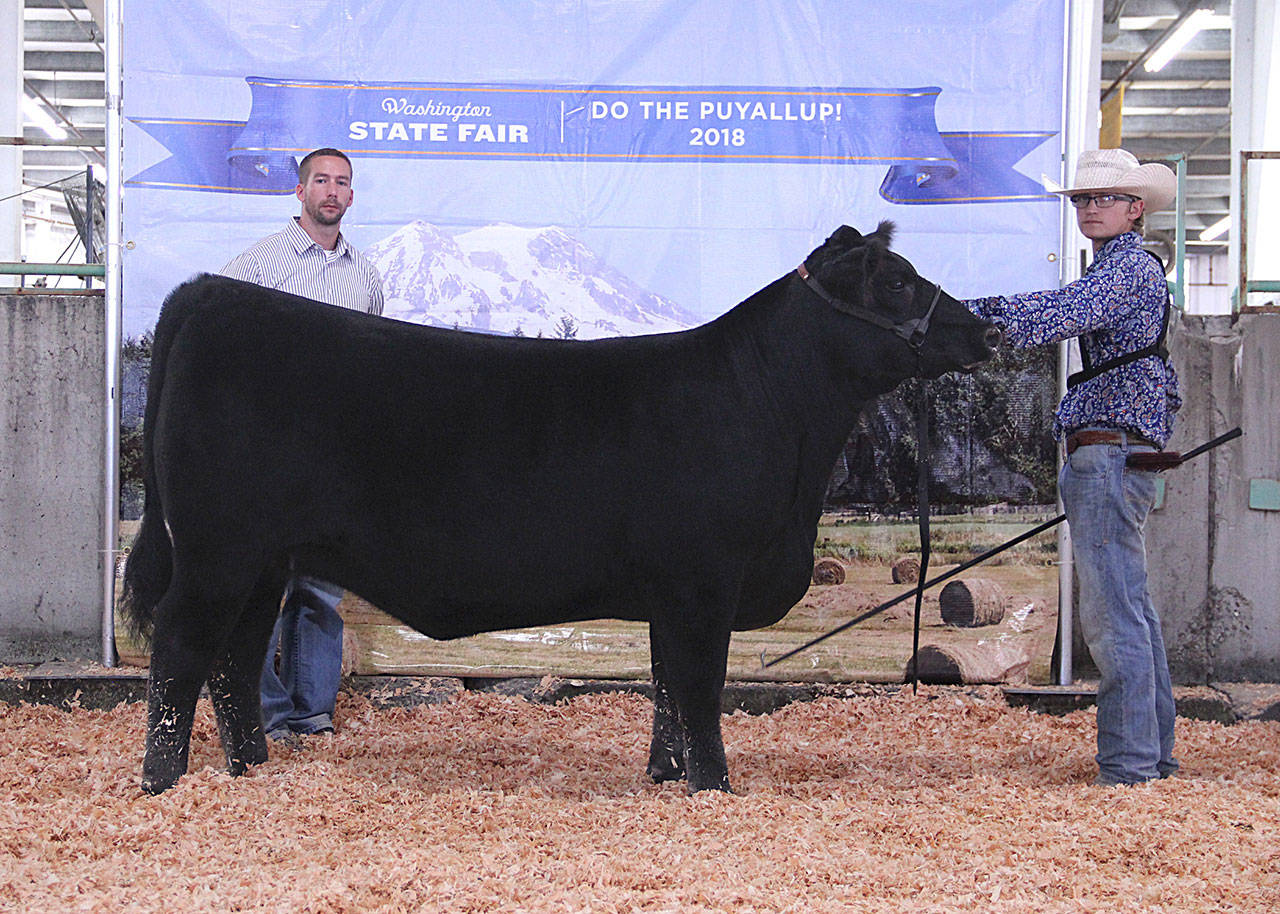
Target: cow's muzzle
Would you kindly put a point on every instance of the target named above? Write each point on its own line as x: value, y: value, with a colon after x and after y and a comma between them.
x: 993, y: 339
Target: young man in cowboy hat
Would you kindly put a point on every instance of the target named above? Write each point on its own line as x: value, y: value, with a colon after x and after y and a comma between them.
x: 1122, y: 403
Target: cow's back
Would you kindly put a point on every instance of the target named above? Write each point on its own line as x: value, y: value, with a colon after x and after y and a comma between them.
x: 500, y: 481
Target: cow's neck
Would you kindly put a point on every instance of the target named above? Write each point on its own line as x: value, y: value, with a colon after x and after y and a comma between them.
x: 823, y: 372
x: 817, y: 385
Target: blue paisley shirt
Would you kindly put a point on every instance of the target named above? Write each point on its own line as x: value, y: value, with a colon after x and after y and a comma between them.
x: 1115, y: 308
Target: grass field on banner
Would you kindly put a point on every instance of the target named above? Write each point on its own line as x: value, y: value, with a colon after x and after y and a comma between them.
x: 877, y: 650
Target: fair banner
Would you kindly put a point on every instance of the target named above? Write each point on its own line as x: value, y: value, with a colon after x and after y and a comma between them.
x: 513, y: 159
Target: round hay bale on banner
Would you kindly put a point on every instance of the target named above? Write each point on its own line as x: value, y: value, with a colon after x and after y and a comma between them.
x: 350, y: 652
x: 906, y: 570
x: 828, y: 571
x: 971, y: 603
x: 971, y: 664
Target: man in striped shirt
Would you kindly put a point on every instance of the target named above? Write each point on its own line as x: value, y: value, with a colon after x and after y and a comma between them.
x: 311, y: 258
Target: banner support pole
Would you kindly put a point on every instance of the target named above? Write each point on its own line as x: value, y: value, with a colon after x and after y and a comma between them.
x: 112, y: 321
x: 1082, y: 87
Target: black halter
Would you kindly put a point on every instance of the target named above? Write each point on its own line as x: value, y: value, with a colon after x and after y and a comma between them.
x: 913, y: 330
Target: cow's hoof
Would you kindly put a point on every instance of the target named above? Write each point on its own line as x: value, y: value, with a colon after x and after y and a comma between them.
x: 665, y: 768
x: 153, y: 785
x: 246, y: 759
x: 159, y: 775
x: 720, y: 783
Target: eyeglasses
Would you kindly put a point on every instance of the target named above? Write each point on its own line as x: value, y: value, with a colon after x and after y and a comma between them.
x: 1104, y: 201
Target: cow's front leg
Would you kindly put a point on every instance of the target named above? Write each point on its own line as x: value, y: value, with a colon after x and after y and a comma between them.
x: 694, y: 651
x: 666, y: 749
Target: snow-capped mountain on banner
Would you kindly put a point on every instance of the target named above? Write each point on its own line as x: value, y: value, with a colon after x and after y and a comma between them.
x: 511, y: 280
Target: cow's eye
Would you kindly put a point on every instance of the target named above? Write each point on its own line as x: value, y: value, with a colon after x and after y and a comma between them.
x: 895, y: 285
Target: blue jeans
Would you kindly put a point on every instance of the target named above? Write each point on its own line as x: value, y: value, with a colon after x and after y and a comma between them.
x: 1106, y: 506
x: 309, y: 635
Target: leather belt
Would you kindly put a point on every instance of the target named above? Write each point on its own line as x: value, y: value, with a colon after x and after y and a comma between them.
x: 1098, y: 436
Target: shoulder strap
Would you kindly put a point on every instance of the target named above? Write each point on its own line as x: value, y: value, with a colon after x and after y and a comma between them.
x: 1157, y: 348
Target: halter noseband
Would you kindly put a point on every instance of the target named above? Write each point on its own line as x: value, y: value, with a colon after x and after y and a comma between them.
x: 913, y: 330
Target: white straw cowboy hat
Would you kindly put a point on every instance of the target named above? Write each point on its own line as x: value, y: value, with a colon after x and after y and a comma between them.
x: 1100, y: 170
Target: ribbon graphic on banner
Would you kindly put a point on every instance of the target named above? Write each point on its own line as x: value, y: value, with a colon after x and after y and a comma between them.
x: 894, y: 128
x: 983, y: 172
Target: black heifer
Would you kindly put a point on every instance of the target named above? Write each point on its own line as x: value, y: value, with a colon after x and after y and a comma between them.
x: 674, y: 479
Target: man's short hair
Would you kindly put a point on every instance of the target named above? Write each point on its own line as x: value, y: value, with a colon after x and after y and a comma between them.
x: 305, y: 165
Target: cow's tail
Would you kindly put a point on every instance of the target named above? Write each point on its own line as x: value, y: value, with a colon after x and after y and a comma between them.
x: 149, y: 568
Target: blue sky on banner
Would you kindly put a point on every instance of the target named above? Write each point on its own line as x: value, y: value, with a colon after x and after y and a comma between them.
x: 700, y: 148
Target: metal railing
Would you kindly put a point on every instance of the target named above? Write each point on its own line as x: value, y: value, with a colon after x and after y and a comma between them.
x: 1179, y: 285
x: 8, y: 268
x: 1246, y: 285
x: 87, y: 270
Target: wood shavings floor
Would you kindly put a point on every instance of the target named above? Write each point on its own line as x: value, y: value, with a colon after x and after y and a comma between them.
x: 944, y: 801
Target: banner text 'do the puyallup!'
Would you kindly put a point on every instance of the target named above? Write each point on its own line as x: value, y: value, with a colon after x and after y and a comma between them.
x: 890, y: 127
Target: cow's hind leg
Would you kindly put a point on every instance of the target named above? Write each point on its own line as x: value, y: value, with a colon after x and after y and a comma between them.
x: 190, y: 631
x: 694, y: 650
x: 666, y: 750
x: 234, y: 684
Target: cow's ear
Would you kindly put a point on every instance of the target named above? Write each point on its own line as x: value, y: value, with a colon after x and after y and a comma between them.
x: 883, y: 233
x: 845, y: 237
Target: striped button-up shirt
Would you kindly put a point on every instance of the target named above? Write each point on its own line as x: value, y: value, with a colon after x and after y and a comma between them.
x: 1117, y: 307
x: 291, y: 261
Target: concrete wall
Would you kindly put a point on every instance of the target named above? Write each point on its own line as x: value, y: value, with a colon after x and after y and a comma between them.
x: 51, y: 476
x: 1214, y: 561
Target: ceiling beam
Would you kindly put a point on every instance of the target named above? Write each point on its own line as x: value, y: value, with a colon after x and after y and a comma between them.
x: 1137, y: 96
x: 1208, y: 44
x: 53, y: 4
x: 1168, y: 8
x: 62, y: 61
x: 60, y: 30
x: 1156, y: 147
x: 60, y: 90
x: 1187, y: 125
x: 1178, y: 68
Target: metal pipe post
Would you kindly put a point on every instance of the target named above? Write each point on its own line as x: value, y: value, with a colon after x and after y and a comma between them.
x: 111, y: 419
x: 1242, y: 290
x: 1180, y: 235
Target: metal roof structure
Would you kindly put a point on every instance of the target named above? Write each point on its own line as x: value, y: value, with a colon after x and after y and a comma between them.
x: 1185, y: 108
x: 63, y: 69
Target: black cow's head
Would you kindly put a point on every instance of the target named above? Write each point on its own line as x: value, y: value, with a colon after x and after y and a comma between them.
x: 859, y: 276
